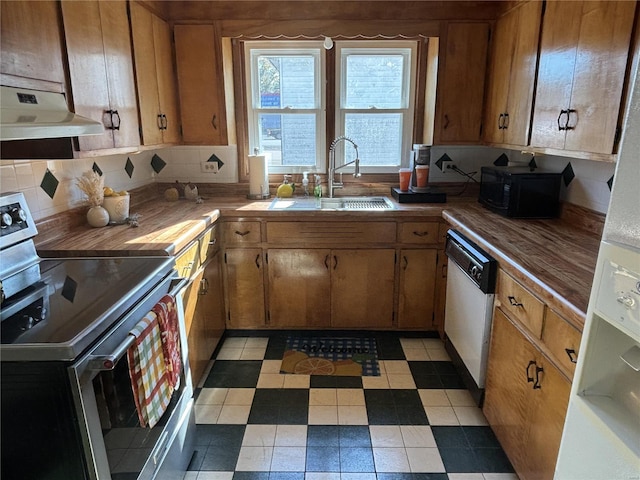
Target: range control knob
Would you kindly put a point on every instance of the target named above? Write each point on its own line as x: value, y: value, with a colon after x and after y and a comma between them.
x: 6, y: 219
x: 18, y: 215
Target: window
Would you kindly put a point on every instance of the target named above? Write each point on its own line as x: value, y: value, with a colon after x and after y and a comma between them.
x: 374, y: 103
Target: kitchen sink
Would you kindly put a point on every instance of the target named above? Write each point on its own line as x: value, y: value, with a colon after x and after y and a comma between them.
x: 337, y: 204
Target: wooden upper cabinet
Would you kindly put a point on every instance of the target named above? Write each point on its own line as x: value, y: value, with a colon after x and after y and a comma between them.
x: 200, y: 83
x: 31, y: 42
x: 461, y: 84
x: 512, y: 75
x: 157, y: 87
x: 583, y: 58
x: 101, y: 71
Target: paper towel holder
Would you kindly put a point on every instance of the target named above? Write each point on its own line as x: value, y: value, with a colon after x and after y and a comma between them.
x: 264, y: 184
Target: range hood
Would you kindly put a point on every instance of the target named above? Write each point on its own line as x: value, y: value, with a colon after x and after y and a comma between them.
x: 33, y: 114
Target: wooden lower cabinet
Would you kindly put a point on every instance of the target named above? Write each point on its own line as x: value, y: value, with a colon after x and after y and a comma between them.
x: 417, y: 288
x: 244, y: 280
x: 525, y: 401
x: 362, y: 283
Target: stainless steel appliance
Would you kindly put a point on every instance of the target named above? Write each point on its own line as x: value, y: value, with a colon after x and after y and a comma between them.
x: 520, y: 192
x: 420, y: 155
x: 469, y: 306
x: 66, y: 399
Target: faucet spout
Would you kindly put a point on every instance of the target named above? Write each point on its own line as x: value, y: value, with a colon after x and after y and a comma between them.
x: 332, y: 183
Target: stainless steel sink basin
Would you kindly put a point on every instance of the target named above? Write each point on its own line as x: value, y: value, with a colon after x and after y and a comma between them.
x: 337, y: 204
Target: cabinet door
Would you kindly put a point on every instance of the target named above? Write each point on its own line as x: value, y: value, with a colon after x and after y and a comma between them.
x: 167, y: 84
x: 190, y: 298
x: 299, y: 287
x: 499, y: 72
x: 461, y: 85
x: 199, y: 83
x: 362, y: 284
x: 549, y: 408
x: 507, y: 403
x: 244, y: 287
x: 417, y: 288
x: 31, y: 42
x: 146, y: 73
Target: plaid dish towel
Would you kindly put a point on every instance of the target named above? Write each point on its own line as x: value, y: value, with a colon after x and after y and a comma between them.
x: 150, y: 382
x: 167, y: 314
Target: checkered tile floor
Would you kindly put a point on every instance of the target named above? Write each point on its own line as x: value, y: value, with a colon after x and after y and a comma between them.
x: 415, y: 421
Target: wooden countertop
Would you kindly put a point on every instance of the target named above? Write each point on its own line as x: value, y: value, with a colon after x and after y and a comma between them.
x: 551, y: 257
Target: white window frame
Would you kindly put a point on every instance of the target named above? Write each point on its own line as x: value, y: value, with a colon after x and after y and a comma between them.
x: 253, y: 49
x: 409, y: 49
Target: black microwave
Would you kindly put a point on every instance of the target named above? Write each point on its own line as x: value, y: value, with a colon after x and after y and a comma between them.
x: 520, y: 192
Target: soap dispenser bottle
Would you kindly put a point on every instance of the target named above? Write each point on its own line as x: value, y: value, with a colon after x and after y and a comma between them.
x: 317, y: 191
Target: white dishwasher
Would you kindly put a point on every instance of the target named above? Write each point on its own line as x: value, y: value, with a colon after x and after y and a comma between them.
x: 469, y: 306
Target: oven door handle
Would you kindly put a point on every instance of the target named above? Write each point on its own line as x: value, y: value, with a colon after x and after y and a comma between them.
x: 103, y: 363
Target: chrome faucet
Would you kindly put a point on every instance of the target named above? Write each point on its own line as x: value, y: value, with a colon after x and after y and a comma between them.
x: 332, y: 164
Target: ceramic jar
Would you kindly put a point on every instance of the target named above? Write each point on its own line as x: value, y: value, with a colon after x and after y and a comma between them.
x: 98, y: 216
x: 118, y: 208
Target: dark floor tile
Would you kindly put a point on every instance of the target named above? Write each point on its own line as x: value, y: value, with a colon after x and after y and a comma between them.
x: 124, y: 476
x: 251, y: 476
x: 428, y: 476
x: 286, y: 476
x: 422, y: 368
x: 382, y: 415
x: 411, y: 415
x: 444, y: 368
x: 459, y: 460
x: 427, y: 381
x: 323, y: 436
x: 235, y: 367
x: 452, y: 381
x: 481, y: 437
x: 356, y: 459
x: 293, y: 415
x: 220, y: 458
x: 323, y: 459
x: 389, y: 348
x: 275, y: 348
x: 354, y: 436
x: 207, y: 434
x: 294, y: 397
x: 394, y: 476
x: 328, y: 381
x: 450, y: 437
x: 264, y: 414
x: 378, y: 397
x: 234, y: 374
x: 196, y: 459
x: 492, y: 460
x: 267, y: 396
x: 406, y: 397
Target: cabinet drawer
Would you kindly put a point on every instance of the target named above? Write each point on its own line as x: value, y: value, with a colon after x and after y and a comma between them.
x: 334, y: 233
x: 418, y: 232
x: 208, y: 243
x: 239, y: 233
x: 562, y: 339
x: 187, y: 262
x: 520, y: 303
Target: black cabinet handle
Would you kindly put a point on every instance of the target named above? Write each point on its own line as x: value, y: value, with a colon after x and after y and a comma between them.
x: 159, y: 121
x: 420, y: 234
x: 536, y: 384
x: 406, y: 262
x: 529, y: 376
x: 326, y: 261
x: 335, y: 262
x: 446, y: 121
x: 514, y: 302
x: 566, y: 125
x: 258, y: 260
x: 115, y: 113
x: 242, y: 234
x: 573, y: 357
x: 501, y: 121
x: 505, y: 123
x: 563, y: 112
x: 213, y: 121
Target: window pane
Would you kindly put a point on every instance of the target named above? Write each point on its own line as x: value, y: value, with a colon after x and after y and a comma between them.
x: 286, y: 81
x: 290, y: 138
x: 374, y: 81
x: 378, y: 136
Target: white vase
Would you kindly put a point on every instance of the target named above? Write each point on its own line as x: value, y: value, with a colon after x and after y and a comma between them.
x: 97, y: 216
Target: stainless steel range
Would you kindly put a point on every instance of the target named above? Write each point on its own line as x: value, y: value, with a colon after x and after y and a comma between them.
x: 68, y: 409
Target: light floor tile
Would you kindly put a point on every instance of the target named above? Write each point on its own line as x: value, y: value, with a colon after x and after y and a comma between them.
x: 297, y: 381
x: 385, y: 436
x: 425, y: 460
x: 212, y: 396
x: 322, y: 476
x: 417, y: 436
x: 254, y: 459
x: 323, y: 396
x: 416, y: 354
x: 434, y: 398
x: 470, y: 416
x: 271, y: 366
x: 441, y: 416
x: 465, y: 476
x: 208, y: 413
x: 499, y: 476
x: 291, y: 436
x: 235, y: 342
x: 253, y: 353
x: 432, y: 343
x: 259, y: 436
x: 234, y: 414
x: 411, y: 343
x: 391, y: 460
x: 192, y: 476
x: 214, y: 476
x: 401, y: 381
x: 240, y: 396
x: 323, y: 415
x: 460, y: 398
x: 357, y: 476
x: 228, y: 353
x: 270, y: 380
x: 396, y: 367
x: 350, y: 396
x: 352, y: 415
x: 257, y: 342
x: 288, y: 459
x: 205, y: 375
x: 373, y: 383
x: 439, y: 355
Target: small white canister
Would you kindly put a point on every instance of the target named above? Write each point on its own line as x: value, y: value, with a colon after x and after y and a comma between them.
x: 118, y: 208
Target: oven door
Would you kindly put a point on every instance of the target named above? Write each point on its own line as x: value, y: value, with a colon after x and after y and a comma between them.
x: 115, y: 444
